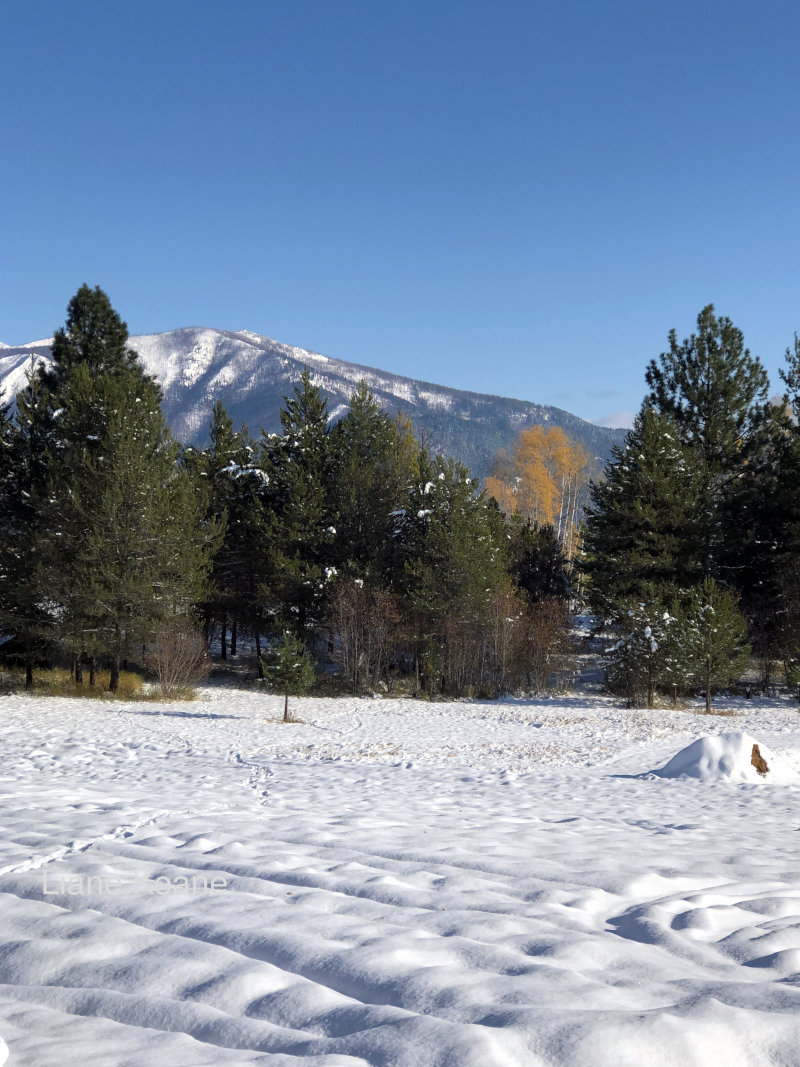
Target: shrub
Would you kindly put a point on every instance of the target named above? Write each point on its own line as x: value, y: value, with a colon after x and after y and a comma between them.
x: 178, y: 658
x: 549, y: 649
x: 365, y: 622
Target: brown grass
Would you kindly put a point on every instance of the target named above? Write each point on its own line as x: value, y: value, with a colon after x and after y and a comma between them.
x: 759, y: 762
x: 726, y: 713
x: 58, y: 682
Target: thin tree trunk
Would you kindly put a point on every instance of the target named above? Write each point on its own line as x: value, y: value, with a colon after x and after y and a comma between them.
x: 92, y: 670
x: 258, y: 655
x: 79, y: 670
x: 29, y: 675
x: 234, y: 634
x: 223, y: 640
x: 113, y: 685
x: 708, y: 692
x: 286, y: 707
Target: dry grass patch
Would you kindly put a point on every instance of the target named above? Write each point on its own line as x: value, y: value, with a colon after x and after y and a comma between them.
x: 58, y: 681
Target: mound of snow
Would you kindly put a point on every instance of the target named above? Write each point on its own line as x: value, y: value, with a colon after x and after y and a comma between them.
x: 3, y: 1051
x: 729, y: 757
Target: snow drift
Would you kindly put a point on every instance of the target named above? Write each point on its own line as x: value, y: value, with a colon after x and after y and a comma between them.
x: 729, y: 757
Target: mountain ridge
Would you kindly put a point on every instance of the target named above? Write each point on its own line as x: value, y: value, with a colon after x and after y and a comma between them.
x: 251, y: 373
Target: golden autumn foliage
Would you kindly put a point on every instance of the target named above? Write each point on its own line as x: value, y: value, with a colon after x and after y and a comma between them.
x: 542, y: 478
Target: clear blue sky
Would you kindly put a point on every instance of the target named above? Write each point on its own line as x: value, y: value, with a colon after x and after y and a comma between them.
x: 511, y: 197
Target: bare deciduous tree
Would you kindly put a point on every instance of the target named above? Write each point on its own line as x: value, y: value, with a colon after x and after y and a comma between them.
x: 178, y: 658
x: 363, y: 621
x: 548, y: 645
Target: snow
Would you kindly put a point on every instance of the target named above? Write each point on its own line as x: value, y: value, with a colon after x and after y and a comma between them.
x: 14, y: 370
x: 730, y: 757
x: 402, y: 883
x: 441, y: 401
x: 45, y: 342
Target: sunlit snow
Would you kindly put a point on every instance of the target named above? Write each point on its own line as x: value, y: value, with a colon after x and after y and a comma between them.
x: 397, y: 883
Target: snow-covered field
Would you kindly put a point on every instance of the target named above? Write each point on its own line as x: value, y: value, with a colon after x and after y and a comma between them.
x: 392, y: 882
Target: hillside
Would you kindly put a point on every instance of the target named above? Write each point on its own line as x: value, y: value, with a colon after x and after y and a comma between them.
x: 251, y: 374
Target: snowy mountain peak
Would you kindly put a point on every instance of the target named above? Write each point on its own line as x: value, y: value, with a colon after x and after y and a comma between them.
x: 251, y: 374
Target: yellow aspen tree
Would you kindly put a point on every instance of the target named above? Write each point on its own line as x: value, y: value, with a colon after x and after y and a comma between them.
x: 541, y: 478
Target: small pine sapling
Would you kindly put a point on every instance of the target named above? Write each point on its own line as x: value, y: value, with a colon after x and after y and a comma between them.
x: 720, y: 649
x: 289, y: 669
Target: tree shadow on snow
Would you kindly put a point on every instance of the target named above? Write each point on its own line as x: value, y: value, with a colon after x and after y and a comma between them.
x: 184, y: 714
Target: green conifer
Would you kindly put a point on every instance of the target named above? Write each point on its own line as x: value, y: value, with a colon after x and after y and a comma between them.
x: 717, y: 637
x: 301, y: 523
x: 715, y: 393
x: 289, y: 669
x: 365, y: 487
x: 642, y: 523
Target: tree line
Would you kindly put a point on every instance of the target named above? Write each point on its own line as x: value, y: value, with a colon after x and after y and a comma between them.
x: 355, y: 542
x: 691, y: 543
x: 352, y: 538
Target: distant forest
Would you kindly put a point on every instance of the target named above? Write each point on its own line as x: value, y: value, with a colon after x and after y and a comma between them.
x: 353, y: 543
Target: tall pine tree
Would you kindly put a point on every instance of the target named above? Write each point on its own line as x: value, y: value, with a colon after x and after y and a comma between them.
x: 301, y: 521
x: 715, y: 393
x: 642, y: 522
x: 366, y: 487
x: 128, y: 549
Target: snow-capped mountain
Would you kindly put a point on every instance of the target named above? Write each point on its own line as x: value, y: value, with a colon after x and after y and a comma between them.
x: 251, y: 374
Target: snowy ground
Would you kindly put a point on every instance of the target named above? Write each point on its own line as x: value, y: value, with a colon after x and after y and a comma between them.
x: 398, y: 883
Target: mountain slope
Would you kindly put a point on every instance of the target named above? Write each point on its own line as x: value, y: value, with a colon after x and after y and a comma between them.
x: 251, y: 374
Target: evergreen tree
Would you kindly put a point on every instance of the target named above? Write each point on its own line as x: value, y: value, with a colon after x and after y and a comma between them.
x: 674, y: 638
x: 94, y: 336
x: 642, y: 524
x: 27, y: 608
x: 125, y: 549
x: 298, y: 464
x: 715, y: 393
x: 129, y: 551
x: 538, y: 564
x: 245, y: 559
x: 772, y: 600
x: 232, y: 485
x: 791, y: 378
x: 718, y: 635
x: 289, y: 669
x: 760, y: 521
x: 366, y: 487
x: 452, y: 557
x: 654, y: 651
